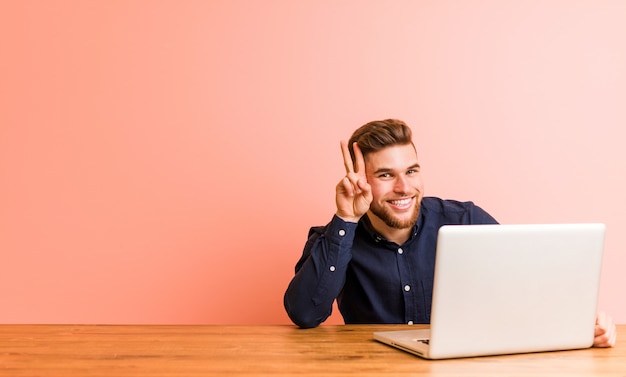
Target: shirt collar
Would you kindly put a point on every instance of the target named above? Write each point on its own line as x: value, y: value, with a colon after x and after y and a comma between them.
x: 367, y: 225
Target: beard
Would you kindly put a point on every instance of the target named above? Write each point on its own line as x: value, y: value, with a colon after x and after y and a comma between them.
x: 392, y: 221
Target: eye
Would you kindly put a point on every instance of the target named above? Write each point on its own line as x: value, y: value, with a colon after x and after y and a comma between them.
x: 413, y: 170
x: 384, y: 175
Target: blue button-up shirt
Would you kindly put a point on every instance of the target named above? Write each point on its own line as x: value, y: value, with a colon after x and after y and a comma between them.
x: 373, y: 280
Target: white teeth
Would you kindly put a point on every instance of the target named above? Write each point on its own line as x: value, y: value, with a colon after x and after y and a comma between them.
x: 401, y: 202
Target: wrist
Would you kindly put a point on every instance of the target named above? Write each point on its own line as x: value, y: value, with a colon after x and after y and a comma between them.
x: 348, y: 219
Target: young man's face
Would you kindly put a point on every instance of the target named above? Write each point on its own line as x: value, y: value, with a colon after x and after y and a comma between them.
x: 397, y: 187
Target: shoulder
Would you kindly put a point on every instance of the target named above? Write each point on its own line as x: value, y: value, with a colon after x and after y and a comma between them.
x: 461, y: 212
x: 446, y: 205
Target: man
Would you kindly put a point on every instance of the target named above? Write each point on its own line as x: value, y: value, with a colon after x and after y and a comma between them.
x: 377, y: 254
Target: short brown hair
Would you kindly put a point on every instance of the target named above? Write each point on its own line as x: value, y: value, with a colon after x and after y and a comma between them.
x: 379, y: 134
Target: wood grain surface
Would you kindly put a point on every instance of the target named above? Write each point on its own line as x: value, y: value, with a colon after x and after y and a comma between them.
x: 208, y: 350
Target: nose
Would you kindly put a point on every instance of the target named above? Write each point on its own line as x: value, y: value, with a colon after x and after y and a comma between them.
x: 401, y: 184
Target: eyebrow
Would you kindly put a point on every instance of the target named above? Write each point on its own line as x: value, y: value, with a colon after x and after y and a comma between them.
x: 386, y: 170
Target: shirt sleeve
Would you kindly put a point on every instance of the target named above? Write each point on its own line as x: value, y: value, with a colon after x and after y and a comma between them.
x: 320, y: 273
x: 480, y: 216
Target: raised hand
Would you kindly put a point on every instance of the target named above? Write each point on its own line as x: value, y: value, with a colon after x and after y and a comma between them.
x: 353, y: 193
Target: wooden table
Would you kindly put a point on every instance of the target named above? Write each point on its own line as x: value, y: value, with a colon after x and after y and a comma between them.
x: 149, y: 350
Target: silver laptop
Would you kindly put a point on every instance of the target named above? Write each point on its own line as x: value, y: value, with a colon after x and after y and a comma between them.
x: 503, y: 289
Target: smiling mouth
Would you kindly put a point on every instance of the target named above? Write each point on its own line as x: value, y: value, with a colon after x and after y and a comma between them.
x: 402, y: 203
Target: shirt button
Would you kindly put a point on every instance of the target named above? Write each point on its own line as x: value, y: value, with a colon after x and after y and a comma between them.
x: 342, y: 232
x: 400, y: 251
x: 332, y: 268
x: 410, y: 323
x: 407, y: 288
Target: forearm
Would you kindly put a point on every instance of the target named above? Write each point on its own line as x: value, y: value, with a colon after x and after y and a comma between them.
x: 320, y: 274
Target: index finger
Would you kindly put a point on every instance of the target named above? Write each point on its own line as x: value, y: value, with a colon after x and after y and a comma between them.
x: 347, y: 159
x: 359, y: 159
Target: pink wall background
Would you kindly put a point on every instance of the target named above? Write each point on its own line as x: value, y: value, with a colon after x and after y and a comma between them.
x: 162, y: 161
